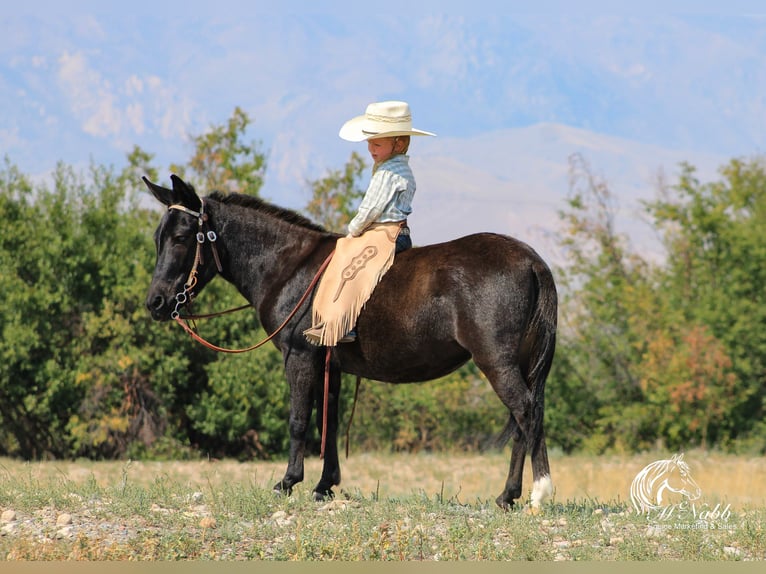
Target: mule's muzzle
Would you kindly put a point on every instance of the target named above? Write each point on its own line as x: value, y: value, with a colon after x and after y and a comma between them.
x: 158, y: 307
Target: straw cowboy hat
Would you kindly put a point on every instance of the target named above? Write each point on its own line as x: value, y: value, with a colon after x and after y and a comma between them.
x: 381, y: 119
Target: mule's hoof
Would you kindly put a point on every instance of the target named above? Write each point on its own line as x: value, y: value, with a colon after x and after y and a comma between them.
x: 280, y: 489
x: 322, y: 496
x: 503, y: 503
x: 532, y: 510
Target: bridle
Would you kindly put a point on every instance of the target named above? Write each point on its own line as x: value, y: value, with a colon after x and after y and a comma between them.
x: 186, y: 296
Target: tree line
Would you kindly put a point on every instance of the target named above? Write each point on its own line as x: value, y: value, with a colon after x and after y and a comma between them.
x: 667, y: 352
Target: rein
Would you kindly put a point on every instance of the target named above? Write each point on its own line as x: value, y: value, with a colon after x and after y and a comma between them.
x: 182, y: 320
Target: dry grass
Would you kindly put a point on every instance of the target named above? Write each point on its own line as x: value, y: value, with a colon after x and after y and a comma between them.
x: 738, y: 480
x: 395, y: 507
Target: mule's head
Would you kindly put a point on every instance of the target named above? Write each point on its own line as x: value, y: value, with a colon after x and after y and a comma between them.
x: 176, y: 242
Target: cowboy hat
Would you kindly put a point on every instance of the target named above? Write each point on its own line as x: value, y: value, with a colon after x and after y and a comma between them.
x: 381, y: 119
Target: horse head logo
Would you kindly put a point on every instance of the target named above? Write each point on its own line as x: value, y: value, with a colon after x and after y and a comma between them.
x: 663, y: 483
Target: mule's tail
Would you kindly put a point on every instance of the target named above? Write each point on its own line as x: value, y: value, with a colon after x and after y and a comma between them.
x: 540, y: 336
x: 540, y: 342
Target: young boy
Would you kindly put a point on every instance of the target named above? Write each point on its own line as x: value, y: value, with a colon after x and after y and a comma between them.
x: 387, y: 127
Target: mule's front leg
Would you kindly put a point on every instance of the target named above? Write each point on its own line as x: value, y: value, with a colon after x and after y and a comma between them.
x: 294, y: 472
x: 301, y: 396
x: 331, y: 467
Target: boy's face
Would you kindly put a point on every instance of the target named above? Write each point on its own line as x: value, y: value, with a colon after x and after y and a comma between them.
x: 381, y: 148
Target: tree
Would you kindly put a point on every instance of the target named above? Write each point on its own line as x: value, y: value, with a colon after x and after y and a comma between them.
x: 223, y: 161
x: 336, y: 196
x: 85, y: 371
x: 716, y: 270
x: 672, y: 352
x: 73, y: 278
x: 602, y: 285
x: 688, y: 381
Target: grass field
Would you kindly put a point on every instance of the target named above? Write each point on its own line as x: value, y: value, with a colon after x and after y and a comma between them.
x: 389, y: 507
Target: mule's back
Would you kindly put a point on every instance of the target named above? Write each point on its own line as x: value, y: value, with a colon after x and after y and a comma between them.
x: 438, y: 304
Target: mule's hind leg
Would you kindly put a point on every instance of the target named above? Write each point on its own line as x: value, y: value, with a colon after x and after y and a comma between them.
x: 541, y: 472
x: 542, y: 487
x: 510, y: 386
x: 512, y: 489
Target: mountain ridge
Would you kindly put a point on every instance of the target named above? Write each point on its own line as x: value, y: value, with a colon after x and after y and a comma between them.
x: 516, y: 180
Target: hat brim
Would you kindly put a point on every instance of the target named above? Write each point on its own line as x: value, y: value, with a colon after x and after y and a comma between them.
x: 353, y: 131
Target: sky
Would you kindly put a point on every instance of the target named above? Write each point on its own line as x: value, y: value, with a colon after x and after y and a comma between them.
x: 84, y: 82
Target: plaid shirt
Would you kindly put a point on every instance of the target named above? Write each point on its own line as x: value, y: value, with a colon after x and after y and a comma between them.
x: 388, y: 197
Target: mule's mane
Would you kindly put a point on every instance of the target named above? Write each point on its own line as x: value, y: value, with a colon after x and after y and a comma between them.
x: 258, y: 204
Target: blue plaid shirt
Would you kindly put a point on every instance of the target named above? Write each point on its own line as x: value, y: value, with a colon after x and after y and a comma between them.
x: 388, y: 197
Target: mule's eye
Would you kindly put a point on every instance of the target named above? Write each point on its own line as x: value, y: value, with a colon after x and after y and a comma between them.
x: 180, y: 238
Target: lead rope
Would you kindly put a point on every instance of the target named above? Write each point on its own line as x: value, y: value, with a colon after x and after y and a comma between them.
x: 325, y: 401
x: 351, y: 416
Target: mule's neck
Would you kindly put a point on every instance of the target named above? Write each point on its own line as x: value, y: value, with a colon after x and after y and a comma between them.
x: 264, y: 256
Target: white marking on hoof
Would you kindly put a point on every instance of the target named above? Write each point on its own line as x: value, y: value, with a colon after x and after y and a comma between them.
x: 542, y: 489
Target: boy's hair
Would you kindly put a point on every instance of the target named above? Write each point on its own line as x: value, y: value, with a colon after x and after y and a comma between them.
x: 406, y: 140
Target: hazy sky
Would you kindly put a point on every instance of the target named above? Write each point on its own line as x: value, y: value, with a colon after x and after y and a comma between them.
x: 82, y: 81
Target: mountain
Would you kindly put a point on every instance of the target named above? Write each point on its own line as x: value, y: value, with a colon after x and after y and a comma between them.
x: 515, y: 181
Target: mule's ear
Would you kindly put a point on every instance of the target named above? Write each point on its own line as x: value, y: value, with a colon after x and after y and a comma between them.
x: 164, y: 195
x: 185, y: 194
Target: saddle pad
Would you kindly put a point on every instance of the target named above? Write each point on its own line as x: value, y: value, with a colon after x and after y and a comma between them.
x: 353, y: 273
